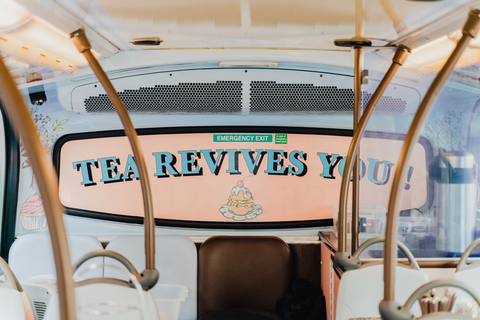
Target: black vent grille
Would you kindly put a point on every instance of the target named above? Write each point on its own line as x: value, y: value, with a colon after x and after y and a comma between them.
x: 386, y: 103
x: 226, y: 97
x: 40, y: 308
x: 269, y: 96
x: 221, y: 96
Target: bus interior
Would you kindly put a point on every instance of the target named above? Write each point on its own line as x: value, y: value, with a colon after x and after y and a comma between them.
x: 239, y: 159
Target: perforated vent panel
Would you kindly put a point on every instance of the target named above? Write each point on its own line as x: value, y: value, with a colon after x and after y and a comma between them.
x: 221, y: 96
x: 40, y: 308
x: 234, y: 96
x: 386, y: 103
x: 269, y: 96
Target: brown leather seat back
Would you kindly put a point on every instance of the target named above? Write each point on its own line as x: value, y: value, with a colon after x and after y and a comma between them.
x: 242, y: 272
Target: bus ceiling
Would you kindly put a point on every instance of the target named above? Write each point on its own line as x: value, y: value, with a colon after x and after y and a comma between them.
x: 34, y: 33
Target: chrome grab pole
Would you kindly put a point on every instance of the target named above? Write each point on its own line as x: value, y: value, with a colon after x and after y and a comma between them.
x: 149, y: 277
x: 17, y: 113
x: 389, y: 309
x: 342, y: 257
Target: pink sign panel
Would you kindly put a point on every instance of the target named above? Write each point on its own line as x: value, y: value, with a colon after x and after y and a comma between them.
x: 239, y: 176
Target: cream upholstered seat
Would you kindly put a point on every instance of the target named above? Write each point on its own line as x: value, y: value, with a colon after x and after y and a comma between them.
x: 106, y: 298
x: 31, y: 255
x: 361, y: 290
x: 468, y: 274
x: 105, y: 301
x: 11, y: 304
x: 14, y: 301
x: 471, y: 277
x: 175, y: 260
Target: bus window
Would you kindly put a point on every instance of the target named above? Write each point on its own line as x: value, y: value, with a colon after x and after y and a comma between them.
x: 446, y: 222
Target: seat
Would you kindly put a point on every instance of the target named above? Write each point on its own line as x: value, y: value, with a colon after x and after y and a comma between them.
x: 31, y: 255
x: 175, y: 260
x: 15, y: 304
x: 31, y: 259
x: 248, y: 274
x: 105, y: 301
x: 355, y: 301
x: 361, y: 290
x: 106, y: 298
x: 468, y: 274
x: 11, y: 304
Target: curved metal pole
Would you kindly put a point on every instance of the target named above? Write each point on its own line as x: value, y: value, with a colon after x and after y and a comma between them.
x: 10, y: 280
x: 462, y: 263
x: 408, y: 254
x: 149, y: 277
x: 342, y: 258
x: 389, y: 309
x: 17, y: 113
x: 105, y: 253
x: 417, y: 294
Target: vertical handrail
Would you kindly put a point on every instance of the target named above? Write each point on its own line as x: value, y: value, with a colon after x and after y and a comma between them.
x: 149, y: 277
x: 389, y: 309
x: 357, y: 113
x: 341, y: 256
x: 17, y: 113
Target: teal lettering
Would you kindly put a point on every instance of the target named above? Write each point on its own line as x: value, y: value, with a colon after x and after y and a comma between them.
x: 233, y: 161
x: 130, y: 168
x: 85, y: 167
x: 214, y: 164
x: 329, y: 162
x: 295, y: 161
x: 373, y: 168
x: 363, y: 167
x: 109, y: 169
x: 164, y: 162
x: 252, y: 164
x: 189, y: 162
x: 275, y: 162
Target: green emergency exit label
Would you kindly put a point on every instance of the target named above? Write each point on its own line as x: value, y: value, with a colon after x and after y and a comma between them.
x: 242, y: 138
x: 280, y: 139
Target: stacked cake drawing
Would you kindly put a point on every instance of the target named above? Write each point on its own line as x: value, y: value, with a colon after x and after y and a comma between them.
x: 240, y: 205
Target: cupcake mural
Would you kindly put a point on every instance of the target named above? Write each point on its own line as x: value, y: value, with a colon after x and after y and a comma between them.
x: 32, y: 214
x: 240, y: 205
